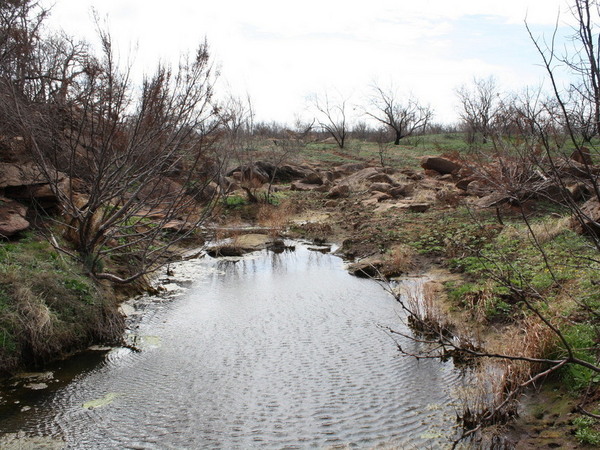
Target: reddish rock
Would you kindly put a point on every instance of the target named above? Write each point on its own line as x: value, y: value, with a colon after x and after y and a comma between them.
x: 313, y: 178
x: 464, y: 183
x: 590, y: 216
x: 440, y: 164
x: 582, y: 156
x: 339, y: 191
x: 381, y: 196
x: 12, y: 217
x: 380, y: 178
x: 381, y: 187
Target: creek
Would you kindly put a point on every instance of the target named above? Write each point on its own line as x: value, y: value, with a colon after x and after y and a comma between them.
x: 272, y: 350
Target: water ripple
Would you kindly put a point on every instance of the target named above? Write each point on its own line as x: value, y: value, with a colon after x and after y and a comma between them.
x: 278, y: 351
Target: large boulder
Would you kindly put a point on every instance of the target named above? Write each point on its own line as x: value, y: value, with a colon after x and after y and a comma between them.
x: 304, y: 187
x: 402, y: 190
x: 367, y: 175
x: 12, y: 217
x: 440, y: 164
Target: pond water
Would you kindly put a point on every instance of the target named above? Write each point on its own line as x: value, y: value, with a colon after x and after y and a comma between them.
x: 275, y: 350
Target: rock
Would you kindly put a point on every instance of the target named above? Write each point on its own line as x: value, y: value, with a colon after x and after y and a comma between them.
x: 361, y: 176
x: 464, y: 183
x: 492, y: 200
x: 25, y: 174
x: 323, y: 187
x: 206, y: 192
x: 279, y: 246
x: 381, y: 187
x: 25, y: 181
x: 578, y: 191
x: 301, y: 186
x: 241, y: 245
x: 339, y: 191
x: 380, y: 196
x: 12, y: 217
x: 440, y: 164
x: 582, y: 156
x: 367, y: 268
x: 590, y: 215
x: 347, y: 169
x: 178, y: 226
x: 313, y: 178
x: 411, y: 174
x: 402, y: 190
x: 419, y: 207
x: 478, y: 189
x: 380, y: 178
x: 290, y: 172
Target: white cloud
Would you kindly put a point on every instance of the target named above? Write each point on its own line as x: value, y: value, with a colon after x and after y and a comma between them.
x: 281, y: 51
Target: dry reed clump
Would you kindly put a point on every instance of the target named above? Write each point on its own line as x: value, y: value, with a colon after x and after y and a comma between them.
x: 274, y: 217
x: 400, y: 259
x: 448, y: 197
x: 37, y: 331
x: 492, y: 394
x: 426, y: 316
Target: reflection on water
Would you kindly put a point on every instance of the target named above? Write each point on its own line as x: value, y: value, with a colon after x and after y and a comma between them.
x: 274, y: 350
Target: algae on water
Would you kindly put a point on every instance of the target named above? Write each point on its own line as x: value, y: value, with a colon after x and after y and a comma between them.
x: 106, y: 400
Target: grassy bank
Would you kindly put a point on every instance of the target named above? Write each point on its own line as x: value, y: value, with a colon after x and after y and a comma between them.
x: 48, y: 307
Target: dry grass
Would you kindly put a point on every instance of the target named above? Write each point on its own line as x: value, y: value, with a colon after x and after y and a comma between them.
x: 544, y: 231
x: 427, y: 317
x: 424, y: 196
x: 492, y: 394
x: 275, y: 217
x: 448, y: 197
x: 400, y: 259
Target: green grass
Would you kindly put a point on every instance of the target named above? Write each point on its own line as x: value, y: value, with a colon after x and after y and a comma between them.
x: 586, y: 430
x: 47, y: 304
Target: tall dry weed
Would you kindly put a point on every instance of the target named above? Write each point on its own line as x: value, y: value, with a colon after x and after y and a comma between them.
x: 274, y: 217
x: 492, y: 393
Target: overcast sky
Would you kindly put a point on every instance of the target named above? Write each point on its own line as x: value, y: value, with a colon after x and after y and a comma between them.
x: 280, y: 51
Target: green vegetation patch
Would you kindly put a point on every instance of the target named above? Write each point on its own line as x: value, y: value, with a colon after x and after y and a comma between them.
x: 47, y: 305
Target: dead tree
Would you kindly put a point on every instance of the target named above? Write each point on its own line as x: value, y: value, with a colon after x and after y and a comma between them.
x: 402, y: 118
x: 479, y: 105
x: 333, y: 116
x: 126, y: 167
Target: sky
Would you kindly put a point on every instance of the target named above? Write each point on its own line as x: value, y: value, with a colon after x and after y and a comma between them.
x: 281, y: 52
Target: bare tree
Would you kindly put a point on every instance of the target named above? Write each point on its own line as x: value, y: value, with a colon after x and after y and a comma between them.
x: 403, y: 118
x: 126, y: 167
x: 333, y: 116
x: 478, y: 107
